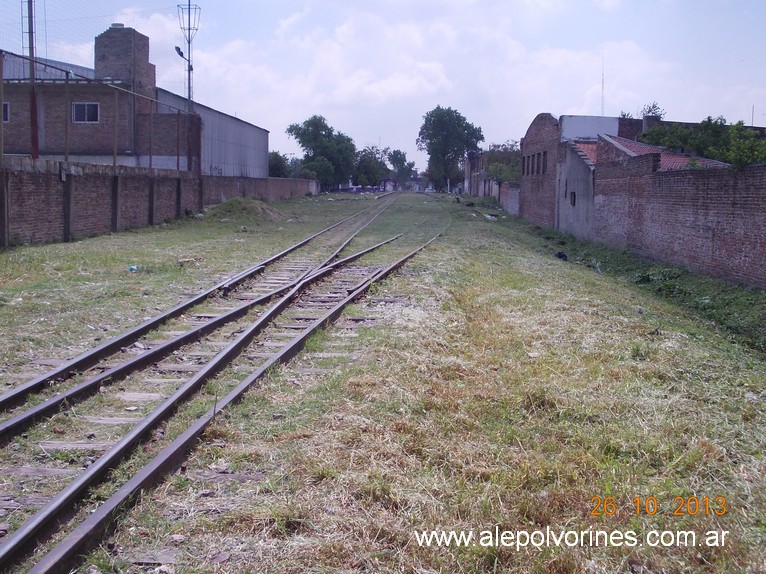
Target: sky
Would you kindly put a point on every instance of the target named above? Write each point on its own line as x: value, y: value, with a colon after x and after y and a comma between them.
x: 373, y: 69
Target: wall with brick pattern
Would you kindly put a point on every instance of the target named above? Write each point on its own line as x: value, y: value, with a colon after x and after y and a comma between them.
x: 536, y: 197
x: 50, y: 201
x: 711, y: 221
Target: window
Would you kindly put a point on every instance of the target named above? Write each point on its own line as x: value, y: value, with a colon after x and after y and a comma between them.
x: 523, y: 165
x: 538, y: 163
x: 85, y: 112
x: 545, y: 161
x: 6, y: 112
x: 572, y: 198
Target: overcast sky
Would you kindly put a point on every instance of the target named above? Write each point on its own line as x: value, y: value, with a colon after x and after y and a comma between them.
x: 374, y: 68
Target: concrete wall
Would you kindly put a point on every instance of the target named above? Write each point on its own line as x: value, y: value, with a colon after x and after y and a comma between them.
x: 574, y: 194
x: 509, y: 199
x: 49, y: 201
x: 574, y: 127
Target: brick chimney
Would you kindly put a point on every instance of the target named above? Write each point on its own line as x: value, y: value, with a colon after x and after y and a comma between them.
x: 123, y: 54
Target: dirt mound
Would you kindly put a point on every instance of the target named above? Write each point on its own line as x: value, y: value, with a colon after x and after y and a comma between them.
x: 245, y: 208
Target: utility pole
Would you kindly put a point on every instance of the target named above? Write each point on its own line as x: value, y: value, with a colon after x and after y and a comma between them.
x: 33, y: 128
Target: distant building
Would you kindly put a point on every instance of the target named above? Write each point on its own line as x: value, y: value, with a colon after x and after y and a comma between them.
x: 478, y: 184
x: 114, y: 113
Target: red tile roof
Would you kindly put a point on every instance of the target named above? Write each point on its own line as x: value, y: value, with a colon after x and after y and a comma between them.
x: 588, y: 149
x: 669, y: 160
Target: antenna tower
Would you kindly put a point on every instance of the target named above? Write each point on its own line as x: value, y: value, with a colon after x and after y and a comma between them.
x: 188, y: 17
x: 602, y: 83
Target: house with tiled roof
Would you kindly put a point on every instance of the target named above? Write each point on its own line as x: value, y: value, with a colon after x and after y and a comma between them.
x: 590, y: 176
x: 559, y: 164
x: 668, y: 159
x: 546, y: 149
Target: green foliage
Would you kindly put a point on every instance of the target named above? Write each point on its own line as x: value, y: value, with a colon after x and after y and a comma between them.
x: 712, y: 138
x: 402, y: 168
x: 745, y: 147
x: 652, y: 109
x: 278, y: 165
x: 500, y: 172
x: 321, y: 169
x: 371, y: 166
x: 447, y: 136
x: 503, y: 162
x: 319, y: 140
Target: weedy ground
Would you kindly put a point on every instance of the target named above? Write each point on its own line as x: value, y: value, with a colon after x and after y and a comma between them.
x: 494, y: 385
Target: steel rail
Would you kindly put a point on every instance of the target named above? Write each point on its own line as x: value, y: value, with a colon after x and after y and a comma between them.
x: 94, y: 355
x: 12, y: 426
x: 87, y: 533
x: 61, y: 503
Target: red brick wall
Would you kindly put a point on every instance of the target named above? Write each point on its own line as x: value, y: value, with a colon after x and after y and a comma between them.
x: 538, y: 189
x: 92, y: 205
x: 36, y: 197
x: 219, y: 189
x: 710, y: 221
x: 54, y: 114
x: 36, y: 204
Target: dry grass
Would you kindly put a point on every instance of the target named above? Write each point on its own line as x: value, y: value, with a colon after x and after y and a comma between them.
x: 498, y: 386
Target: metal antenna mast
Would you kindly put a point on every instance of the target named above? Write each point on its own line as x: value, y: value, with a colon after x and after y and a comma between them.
x: 188, y: 16
x: 32, y: 79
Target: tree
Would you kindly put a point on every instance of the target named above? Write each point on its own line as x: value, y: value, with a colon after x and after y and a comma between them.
x: 503, y: 162
x: 320, y: 169
x: 401, y: 167
x: 278, y: 165
x: 446, y: 136
x: 745, y: 147
x: 500, y: 173
x: 712, y: 138
x: 318, y: 140
x: 370, y: 166
x: 652, y: 109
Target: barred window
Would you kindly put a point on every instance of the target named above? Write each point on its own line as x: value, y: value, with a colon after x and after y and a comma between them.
x: 85, y: 112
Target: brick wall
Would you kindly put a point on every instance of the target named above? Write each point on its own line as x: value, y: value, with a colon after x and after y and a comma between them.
x: 91, y: 205
x: 218, y: 189
x: 709, y: 221
x: 55, y: 116
x: 539, y: 150
x: 49, y: 201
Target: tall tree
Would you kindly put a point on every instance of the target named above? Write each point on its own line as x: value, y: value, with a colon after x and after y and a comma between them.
x: 321, y: 169
x: 371, y: 166
x: 402, y: 168
x: 278, y: 165
x: 319, y: 140
x: 447, y: 136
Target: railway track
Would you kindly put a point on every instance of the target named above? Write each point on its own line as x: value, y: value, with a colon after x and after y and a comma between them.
x: 206, y: 352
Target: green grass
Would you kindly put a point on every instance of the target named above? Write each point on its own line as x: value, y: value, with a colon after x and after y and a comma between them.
x: 500, y: 386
